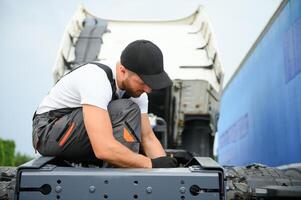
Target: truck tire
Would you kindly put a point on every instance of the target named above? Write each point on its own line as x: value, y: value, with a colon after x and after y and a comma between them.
x: 7, y: 182
x: 293, y: 172
x: 197, y: 138
x: 243, y: 183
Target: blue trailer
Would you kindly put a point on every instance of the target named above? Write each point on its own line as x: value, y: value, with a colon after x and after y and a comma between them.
x: 260, y: 119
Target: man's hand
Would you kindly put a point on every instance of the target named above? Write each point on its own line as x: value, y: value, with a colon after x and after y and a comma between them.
x: 164, y: 162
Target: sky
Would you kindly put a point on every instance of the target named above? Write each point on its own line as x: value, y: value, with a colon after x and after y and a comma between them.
x: 31, y: 32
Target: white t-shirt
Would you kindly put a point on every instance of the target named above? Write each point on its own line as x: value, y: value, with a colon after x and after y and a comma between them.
x: 87, y: 85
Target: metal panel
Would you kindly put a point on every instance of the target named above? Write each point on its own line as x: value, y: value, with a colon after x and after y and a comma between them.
x: 88, y: 183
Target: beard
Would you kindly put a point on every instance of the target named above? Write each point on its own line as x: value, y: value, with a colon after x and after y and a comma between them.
x: 130, y: 90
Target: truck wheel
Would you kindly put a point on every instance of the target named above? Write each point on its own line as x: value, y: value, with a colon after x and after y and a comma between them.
x: 7, y: 183
x: 294, y: 172
x: 245, y: 183
x: 197, y: 138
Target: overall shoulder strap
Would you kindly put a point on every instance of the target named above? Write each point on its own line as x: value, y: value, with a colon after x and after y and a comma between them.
x: 107, y: 70
x: 110, y: 77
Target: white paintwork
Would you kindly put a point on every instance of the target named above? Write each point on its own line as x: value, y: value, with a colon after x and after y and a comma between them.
x: 179, y: 41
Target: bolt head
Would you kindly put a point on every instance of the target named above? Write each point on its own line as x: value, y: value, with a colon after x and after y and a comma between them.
x: 149, y: 189
x: 92, y: 189
x: 182, y: 190
x: 58, y: 189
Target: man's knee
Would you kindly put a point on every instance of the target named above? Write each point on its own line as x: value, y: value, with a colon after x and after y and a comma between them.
x: 125, y: 116
x: 123, y: 107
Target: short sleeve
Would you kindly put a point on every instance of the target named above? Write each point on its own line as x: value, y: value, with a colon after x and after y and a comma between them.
x: 142, y: 102
x: 94, y: 86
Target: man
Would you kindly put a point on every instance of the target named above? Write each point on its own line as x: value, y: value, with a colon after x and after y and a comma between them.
x: 83, y: 119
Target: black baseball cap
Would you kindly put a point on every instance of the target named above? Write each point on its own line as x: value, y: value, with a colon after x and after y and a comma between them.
x: 146, y: 59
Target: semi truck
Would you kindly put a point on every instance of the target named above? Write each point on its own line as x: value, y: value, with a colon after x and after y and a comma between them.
x: 184, y: 118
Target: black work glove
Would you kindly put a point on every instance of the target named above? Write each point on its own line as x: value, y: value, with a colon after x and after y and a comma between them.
x: 164, y: 162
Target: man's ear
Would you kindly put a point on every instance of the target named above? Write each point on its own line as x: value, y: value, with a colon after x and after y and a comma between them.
x: 121, y: 68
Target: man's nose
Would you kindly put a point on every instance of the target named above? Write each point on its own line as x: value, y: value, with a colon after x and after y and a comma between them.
x: 147, y: 89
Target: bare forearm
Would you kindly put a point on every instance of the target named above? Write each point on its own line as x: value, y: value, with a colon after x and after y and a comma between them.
x: 152, y: 147
x: 105, y: 146
x: 121, y: 156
